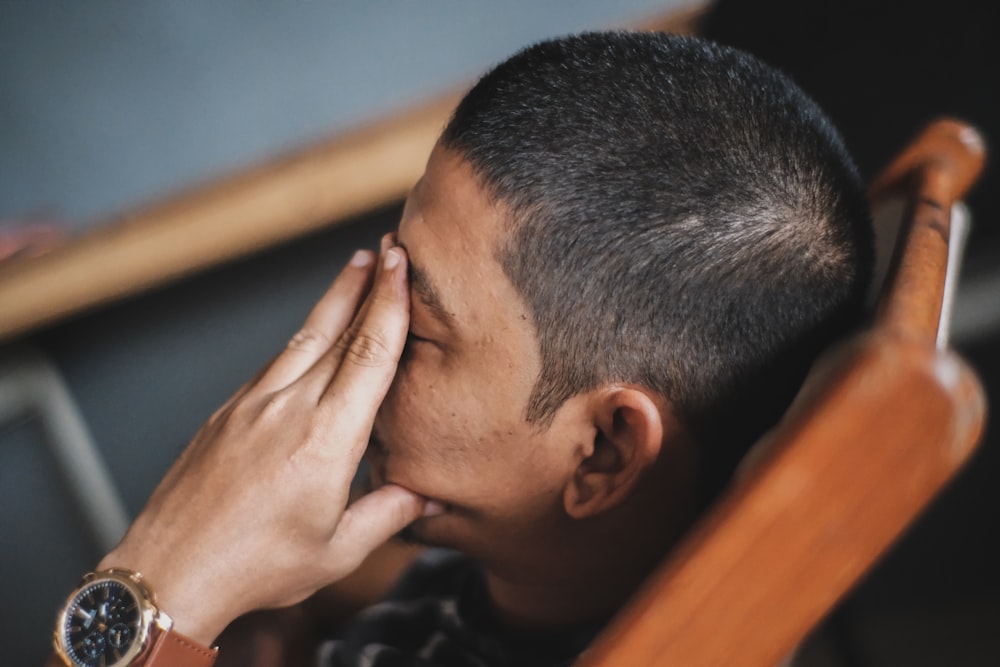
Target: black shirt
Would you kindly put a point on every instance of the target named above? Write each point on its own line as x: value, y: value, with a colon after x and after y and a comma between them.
x: 439, y: 615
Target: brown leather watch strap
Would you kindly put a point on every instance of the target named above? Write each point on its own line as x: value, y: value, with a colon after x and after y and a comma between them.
x: 175, y: 650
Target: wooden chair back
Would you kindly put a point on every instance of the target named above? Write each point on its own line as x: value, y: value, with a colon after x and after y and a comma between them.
x: 881, y: 425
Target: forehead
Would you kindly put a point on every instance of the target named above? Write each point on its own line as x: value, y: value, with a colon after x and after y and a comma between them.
x: 449, y: 202
x: 487, y: 353
x: 450, y: 229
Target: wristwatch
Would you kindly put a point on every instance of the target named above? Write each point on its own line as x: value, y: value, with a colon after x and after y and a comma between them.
x: 112, y: 620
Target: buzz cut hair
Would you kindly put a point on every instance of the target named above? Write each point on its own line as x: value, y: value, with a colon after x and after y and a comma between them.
x: 681, y: 216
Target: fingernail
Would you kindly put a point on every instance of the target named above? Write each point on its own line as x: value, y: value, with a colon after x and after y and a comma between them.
x: 433, y: 508
x: 392, y: 258
x: 361, y: 258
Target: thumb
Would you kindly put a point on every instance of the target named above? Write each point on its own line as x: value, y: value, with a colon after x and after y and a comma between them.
x: 373, y: 519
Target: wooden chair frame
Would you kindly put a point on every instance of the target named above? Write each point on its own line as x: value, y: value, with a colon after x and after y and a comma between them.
x: 882, y: 424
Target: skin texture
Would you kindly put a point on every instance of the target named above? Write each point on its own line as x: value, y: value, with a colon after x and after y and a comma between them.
x: 532, y: 504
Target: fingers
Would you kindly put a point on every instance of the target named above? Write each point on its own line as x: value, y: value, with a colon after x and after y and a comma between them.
x: 371, y: 521
x: 325, y: 324
x: 240, y: 393
x: 364, y: 362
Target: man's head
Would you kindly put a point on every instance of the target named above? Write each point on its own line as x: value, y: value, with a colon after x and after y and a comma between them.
x: 645, y: 239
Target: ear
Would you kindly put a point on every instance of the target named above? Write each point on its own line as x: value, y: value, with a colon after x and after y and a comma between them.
x: 629, y: 430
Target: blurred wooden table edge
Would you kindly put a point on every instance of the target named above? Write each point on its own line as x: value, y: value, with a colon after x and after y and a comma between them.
x: 319, y: 186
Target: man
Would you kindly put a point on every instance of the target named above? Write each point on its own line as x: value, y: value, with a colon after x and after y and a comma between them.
x: 624, y: 253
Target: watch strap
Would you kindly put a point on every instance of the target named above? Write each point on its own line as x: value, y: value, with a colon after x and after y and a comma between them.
x: 172, y: 649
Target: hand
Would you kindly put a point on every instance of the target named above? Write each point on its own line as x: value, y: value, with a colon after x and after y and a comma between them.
x: 254, y: 513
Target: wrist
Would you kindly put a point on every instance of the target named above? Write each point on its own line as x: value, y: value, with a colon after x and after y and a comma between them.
x: 113, y: 618
x: 178, y: 595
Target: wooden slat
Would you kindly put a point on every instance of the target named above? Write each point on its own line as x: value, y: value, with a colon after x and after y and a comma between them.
x: 684, y: 21
x: 935, y: 171
x: 319, y: 186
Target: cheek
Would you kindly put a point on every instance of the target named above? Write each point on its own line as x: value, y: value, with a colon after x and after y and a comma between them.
x: 457, y: 440
x: 425, y: 422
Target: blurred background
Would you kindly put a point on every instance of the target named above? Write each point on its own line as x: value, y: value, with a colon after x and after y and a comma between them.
x: 106, y: 105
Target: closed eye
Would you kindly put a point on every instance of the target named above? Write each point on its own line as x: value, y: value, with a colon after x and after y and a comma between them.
x: 414, y: 338
x: 414, y: 343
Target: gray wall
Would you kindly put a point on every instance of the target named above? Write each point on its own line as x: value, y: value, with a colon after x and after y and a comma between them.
x: 106, y: 104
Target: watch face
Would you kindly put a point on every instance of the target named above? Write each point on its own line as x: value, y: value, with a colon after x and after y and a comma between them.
x: 101, y: 624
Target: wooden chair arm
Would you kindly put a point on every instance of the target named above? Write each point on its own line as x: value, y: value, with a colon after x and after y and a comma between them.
x: 888, y: 422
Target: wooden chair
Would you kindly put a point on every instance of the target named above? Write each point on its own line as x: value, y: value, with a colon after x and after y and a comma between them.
x: 881, y: 425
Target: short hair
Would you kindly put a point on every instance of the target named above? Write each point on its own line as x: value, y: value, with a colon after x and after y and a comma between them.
x: 681, y: 216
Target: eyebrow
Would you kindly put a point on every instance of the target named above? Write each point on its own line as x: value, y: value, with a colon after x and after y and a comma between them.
x: 427, y: 293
